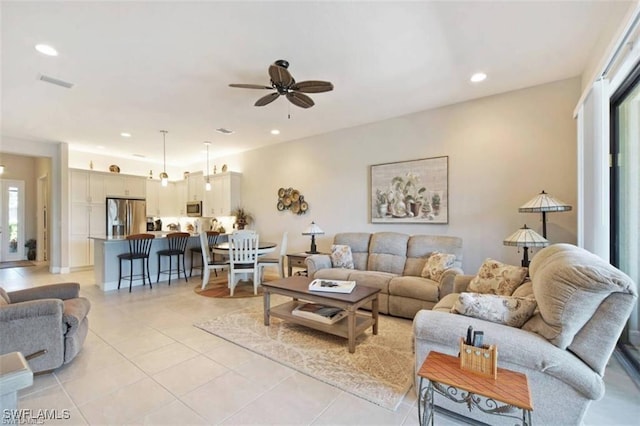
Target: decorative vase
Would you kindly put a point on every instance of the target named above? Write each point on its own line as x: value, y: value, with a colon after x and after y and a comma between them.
x: 240, y: 223
x: 382, y: 209
x: 416, y: 209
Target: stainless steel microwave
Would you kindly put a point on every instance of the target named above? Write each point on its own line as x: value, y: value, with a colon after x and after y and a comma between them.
x: 194, y: 208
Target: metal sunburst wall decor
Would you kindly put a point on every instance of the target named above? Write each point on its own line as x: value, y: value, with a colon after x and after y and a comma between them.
x: 291, y: 199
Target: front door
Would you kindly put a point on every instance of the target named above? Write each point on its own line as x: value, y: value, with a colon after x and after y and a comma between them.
x: 12, y: 220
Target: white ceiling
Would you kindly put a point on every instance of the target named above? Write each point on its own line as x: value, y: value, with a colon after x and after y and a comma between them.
x: 140, y: 67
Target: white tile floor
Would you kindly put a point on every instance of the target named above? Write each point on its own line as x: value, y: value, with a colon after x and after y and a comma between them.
x: 144, y: 363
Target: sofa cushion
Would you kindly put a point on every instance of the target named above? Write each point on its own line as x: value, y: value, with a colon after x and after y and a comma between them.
x: 420, y: 247
x: 570, y: 284
x: 388, y: 252
x: 415, y: 288
x: 435, y: 266
x: 507, y: 310
x: 341, y: 256
x: 333, y: 274
x: 359, y: 244
x: 495, y: 277
x: 372, y: 279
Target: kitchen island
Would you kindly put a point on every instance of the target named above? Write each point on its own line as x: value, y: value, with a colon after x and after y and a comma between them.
x: 107, y: 249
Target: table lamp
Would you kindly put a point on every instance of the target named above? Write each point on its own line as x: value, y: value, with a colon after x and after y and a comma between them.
x: 525, y: 238
x: 313, y: 230
x: 543, y: 203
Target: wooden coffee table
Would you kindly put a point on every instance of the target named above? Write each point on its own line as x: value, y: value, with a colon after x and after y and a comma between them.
x: 447, y: 378
x: 297, y: 287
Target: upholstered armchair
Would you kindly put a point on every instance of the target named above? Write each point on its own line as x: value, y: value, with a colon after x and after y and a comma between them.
x: 48, y: 324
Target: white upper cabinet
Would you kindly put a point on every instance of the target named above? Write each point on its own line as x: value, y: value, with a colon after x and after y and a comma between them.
x: 179, y: 198
x: 224, y: 195
x: 153, y: 197
x: 117, y: 185
x: 195, y: 183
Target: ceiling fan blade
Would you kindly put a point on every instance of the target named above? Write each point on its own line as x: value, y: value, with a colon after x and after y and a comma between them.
x: 298, y: 99
x: 312, y: 86
x: 250, y: 86
x: 267, y: 99
x: 280, y: 76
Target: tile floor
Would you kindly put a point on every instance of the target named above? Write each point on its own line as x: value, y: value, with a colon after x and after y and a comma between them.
x: 144, y: 363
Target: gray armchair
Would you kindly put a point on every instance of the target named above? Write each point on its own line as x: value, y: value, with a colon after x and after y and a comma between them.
x: 48, y: 324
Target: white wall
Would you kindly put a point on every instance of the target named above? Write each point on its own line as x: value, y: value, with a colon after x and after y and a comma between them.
x: 502, y: 150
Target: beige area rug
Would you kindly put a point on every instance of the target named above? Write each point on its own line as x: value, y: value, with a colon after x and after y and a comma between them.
x: 16, y: 264
x: 380, y: 371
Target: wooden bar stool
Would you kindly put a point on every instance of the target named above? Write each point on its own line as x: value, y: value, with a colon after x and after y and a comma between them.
x: 139, y: 248
x: 177, y: 244
x: 212, y: 238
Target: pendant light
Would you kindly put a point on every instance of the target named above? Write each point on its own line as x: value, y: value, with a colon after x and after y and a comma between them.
x: 164, y: 177
x: 207, y: 186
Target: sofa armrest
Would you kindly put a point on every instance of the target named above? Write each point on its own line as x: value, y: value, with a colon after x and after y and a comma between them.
x: 51, y: 291
x: 447, y: 280
x: 316, y: 262
x: 461, y: 282
x: 75, y: 310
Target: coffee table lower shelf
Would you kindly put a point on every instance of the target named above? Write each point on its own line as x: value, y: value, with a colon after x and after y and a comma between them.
x: 340, y: 328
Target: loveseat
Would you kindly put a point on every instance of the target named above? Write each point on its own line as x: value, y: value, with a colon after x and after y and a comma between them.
x: 48, y: 324
x: 394, y: 263
x: 583, y: 304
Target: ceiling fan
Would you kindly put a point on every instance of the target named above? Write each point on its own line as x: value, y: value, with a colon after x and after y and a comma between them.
x: 285, y: 85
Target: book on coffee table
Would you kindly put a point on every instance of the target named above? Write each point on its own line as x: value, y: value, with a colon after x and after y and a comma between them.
x: 333, y: 286
x: 318, y: 312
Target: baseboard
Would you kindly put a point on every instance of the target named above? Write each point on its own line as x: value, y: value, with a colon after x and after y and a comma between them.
x: 59, y: 270
x: 634, y: 337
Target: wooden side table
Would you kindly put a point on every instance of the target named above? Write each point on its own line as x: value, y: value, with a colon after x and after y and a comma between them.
x: 297, y: 260
x: 504, y: 396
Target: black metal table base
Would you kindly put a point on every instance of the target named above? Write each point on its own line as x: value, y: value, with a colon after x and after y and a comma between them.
x: 486, y: 405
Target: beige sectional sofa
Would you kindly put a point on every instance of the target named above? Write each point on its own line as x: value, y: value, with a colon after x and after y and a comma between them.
x: 583, y: 304
x: 393, y: 262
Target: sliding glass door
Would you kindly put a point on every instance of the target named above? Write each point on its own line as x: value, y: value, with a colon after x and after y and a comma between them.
x: 625, y: 194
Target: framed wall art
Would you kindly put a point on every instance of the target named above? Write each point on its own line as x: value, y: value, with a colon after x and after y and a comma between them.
x: 413, y: 191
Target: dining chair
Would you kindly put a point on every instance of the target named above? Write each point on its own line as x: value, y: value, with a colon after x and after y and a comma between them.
x: 139, y: 248
x: 264, y: 262
x: 243, y: 258
x: 208, y: 260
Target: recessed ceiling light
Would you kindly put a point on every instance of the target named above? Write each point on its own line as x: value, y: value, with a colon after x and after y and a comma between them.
x: 125, y: 135
x: 100, y: 146
x: 275, y: 132
x: 45, y: 49
x: 478, y: 77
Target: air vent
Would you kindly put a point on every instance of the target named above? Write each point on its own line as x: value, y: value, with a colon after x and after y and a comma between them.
x: 224, y: 131
x: 55, y: 81
x: 140, y: 155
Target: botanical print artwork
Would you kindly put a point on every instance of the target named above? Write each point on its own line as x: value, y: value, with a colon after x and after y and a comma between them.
x: 410, y: 191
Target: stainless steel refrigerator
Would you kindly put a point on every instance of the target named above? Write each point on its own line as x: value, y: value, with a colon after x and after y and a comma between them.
x: 126, y: 216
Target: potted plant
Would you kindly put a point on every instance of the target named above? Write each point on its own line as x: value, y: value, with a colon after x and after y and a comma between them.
x: 381, y: 203
x: 243, y: 218
x: 31, y: 246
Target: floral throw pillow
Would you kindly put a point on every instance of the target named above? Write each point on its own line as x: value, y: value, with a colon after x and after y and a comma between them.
x: 436, y: 264
x: 507, y: 310
x: 497, y: 278
x: 341, y: 256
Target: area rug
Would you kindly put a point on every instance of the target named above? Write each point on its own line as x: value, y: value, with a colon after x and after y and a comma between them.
x: 380, y: 370
x: 16, y: 264
x: 218, y: 287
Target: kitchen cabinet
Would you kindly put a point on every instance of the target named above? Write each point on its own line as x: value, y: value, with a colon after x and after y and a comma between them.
x: 195, y: 186
x: 224, y: 195
x: 86, y: 186
x: 180, y: 198
x: 117, y: 185
x: 153, y: 197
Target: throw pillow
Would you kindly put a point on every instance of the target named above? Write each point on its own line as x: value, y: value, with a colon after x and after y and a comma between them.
x: 506, y: 310
x: 341, y: 256
x: 436, y: 264
x: 497, y: 278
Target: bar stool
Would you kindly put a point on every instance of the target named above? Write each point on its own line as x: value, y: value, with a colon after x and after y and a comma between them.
x: 177, y: 242
x: 212, y: 238
x: 139, y: 248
